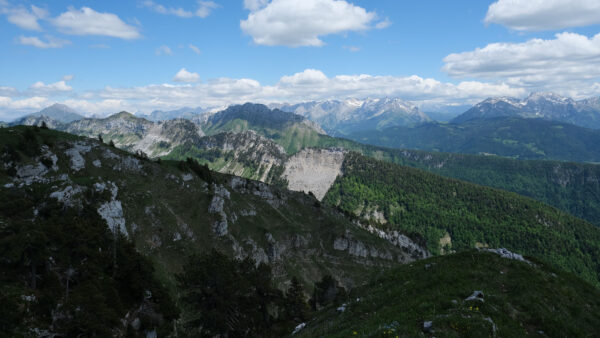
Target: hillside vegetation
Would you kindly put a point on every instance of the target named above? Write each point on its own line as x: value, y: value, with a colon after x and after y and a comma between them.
x: 74, y: 212
x: 455, y: 215
x: 429, y: 298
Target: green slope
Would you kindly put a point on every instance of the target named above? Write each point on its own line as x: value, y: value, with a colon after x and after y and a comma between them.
x: 454, y: 215
x: 168, y: 210
x: 519, y: 300
x: 293, y: 132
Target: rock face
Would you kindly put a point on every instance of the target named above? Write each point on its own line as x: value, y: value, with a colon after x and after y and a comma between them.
x: 137, y: 134
x: 314, y: 170
x: 216, y: 207
x: 244, y: 150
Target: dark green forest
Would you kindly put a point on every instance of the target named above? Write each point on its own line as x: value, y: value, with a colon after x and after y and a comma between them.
x: 414, y: 201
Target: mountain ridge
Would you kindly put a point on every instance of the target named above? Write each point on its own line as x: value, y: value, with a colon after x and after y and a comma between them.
x: 545, y: 105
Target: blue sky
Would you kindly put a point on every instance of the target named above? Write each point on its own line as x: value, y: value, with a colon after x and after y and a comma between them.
x: 104, y: 56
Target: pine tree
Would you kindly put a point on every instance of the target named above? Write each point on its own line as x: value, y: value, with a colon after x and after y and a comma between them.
x: 297, y: 309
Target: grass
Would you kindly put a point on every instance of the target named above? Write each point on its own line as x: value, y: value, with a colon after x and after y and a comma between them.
x: 519, y: 300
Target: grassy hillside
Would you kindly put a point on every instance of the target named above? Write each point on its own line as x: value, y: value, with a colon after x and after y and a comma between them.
x: 63, y: 184
x: 505, y: 136
x: 454, y: 215
x: 293, y: 132
x: 519, y: 300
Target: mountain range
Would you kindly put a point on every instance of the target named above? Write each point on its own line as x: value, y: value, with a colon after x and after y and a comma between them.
x: 339, y: 118
x: 360, y: 213
x: 266, y: 149
x: 548, y: 106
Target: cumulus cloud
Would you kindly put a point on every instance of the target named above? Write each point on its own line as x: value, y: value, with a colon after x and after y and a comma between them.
x: 184, y: 76
x: 307, y: 85
x: 11, y: 108
x: 538, y: 15
x: 301, y: 23
x: 254, y: 5
x: 86, y: 21
x: 195, y: 49
x: 40, y: 88
x: 202, y: 10
x: 23, y: 17
x: 569, y: 60
x: 163, y: 50
x: 51, y: 42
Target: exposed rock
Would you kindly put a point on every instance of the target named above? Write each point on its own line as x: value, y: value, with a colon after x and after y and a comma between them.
x: 476, y: 295
x: 109, y: 155
x: 46, y: 153
x: 359, y: 249
x: 135, y: 324
x: 299, y: 327
x: 187, y: 177
x: 31, y: 173
x: 176, y: 237
x: 112, y: 213
x: 67, y: 195
x: 399, y: 240
x: 428, y: 326
x: 504, y: 253
x: 220, y: 228
x: 97, y: 163
x: 314, y: 170
x: 77, y: 161
x: 128, y: 163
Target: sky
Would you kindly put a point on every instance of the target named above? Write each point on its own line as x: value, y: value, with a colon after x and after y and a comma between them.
x: 101, y: 57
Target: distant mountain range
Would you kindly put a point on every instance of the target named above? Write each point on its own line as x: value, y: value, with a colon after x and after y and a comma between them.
x: 55, y: 113
x: 515, y: 137
x: 161, y: 115
x: 548, y: 106
x: 347, y: 116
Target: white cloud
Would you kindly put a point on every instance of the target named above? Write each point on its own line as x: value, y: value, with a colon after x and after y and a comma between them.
x: 184, y: 76
x: 538, y: 15
x: 569, y: 61
x: 254, y: 5
x: 205, y: 7
x: 11, y: 109
x: 301, y: 23
x: 163, y: 50
x: 51, y: 42
x: 307, y: 85
x: 352, y: 48
x: 87, y: 21
x: 202, y: 10
x: 40, y: 88
x: 195, y: 49
x: 25, y: 18
x: 68, y: 77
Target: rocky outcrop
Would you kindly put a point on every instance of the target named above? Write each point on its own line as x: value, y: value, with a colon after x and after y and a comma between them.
x: 314, y: 170
x: 359, y: 249
x: 400, y: 240
x: 216, y: 206
x: 74, y: 153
